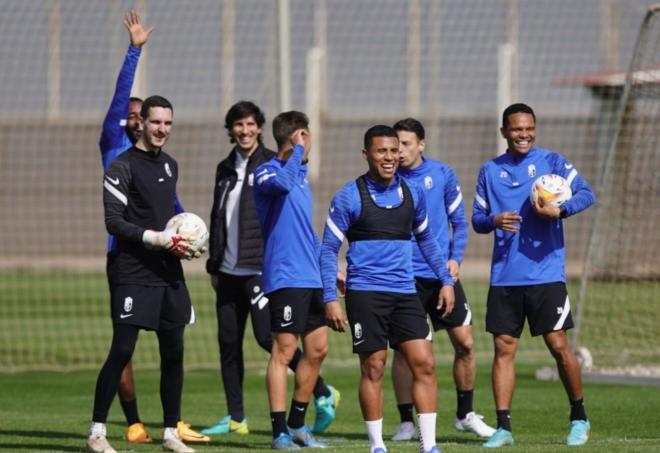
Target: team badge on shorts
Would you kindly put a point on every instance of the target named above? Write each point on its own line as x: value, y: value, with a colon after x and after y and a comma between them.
x: 287, y: 313
x: 357, y: 330
x: 128, y: 304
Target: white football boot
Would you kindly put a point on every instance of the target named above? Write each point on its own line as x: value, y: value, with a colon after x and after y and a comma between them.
x: 405, y: 431
x: 474, y: 423
x: 97, y: 442
x: 172, y: 442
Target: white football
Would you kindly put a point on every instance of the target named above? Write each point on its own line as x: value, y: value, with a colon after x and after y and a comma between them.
x: 552, y: 188
x: 192, y: 226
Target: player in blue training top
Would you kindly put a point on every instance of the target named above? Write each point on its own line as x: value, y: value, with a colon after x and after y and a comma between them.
x: 291, y: 278
x: 122, y: 127
x: 379, y: 213
x: 444, y: 202
x: 527, y: 277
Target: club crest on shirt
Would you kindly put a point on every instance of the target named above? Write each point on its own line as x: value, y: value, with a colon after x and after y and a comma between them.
x: 357, y: 330
x: 168, y: 170
x: 428, y: 182
x: 256, y: 289
x: 531, y: 170
x: 128, y: 303
x: 503, y: 174
x: 287, y: 313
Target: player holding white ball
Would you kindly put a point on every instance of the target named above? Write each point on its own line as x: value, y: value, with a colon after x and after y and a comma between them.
x: 528, y: 279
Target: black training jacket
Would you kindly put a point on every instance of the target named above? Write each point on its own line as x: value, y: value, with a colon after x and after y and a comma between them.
x: 138, y: 189
x: 250, y: 247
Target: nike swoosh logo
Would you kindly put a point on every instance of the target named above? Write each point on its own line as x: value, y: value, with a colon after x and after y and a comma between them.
x: 568, y: 166
x: 122, y: 316
x: 113, y: 181
x: 355, y: 343
x: 255, y: 299
x: 286, y: 324
x: 301, y: 409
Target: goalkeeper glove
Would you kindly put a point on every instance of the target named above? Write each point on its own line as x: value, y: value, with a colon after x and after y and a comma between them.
x: 168, y: 240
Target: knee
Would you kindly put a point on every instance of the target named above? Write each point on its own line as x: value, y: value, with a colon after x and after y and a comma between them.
x: 316, y: 353
x: 282, y: 353
x: 464, y: 348
x: 424, y: 368
x: 505, y: 347
x: 373, y: 369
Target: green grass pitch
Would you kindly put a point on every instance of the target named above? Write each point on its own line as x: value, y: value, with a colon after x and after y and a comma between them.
x: 47, y: 411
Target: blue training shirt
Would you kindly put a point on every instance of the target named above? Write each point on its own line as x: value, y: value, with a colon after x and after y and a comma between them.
x: 114, y: 140
x: 377, y: 265
x: 284, y: 205
x: 444, y: 206
x: 535, y: 254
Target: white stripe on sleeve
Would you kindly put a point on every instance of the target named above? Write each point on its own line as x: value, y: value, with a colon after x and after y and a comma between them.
x: 335, y: 230
x: 423, y: 226
x: 113, y: 190
x: 480, y: 201
x: 455, y: 204
x: 571, y: 176
x: 265, y: 177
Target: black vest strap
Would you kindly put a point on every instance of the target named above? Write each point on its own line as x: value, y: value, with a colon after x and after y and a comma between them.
x: 377, y: 223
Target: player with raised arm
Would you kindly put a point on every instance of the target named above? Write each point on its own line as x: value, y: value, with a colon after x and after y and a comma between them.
x: 122, y: 127
x: 527, y: 278
x: 148, y: 290
x: 291, y: 279
x: 379, y: 213
x: 235, y: 264
x: 445, y: 209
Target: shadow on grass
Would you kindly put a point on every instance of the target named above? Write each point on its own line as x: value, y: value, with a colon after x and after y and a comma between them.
x: 41, y: 434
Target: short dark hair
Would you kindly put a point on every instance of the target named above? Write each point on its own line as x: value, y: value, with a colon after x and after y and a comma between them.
x: 410, y: 125
x: 513, y: 109
x: 286, y: 123
x: 240, y: 110
x: 379, y: 130
x: 134, y: 99
x: 154, y: 101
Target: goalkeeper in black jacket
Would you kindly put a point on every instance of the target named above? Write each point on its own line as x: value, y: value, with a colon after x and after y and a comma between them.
x: 148, y: 290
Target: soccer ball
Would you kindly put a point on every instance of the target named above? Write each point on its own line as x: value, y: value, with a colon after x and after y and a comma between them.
x: 552, y: 189
x: 192, y: 226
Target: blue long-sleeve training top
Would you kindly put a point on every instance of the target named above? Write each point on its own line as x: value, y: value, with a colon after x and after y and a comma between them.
x: 377, y: 265
x: 534, y: 254
x: 444, y: 207
x: 284, y: 204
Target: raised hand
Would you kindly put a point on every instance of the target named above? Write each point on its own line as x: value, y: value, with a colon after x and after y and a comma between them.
x: 136, y: 30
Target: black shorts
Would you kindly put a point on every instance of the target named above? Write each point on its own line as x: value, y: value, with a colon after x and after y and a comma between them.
x: 428, y: 291
x: 379, y: 317
x: 152, y: 307
x: 546, y: 307
x: 296, y: 310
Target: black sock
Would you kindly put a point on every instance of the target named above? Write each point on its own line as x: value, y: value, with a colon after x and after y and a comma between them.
x: 237, y: 416
x: 577, y: 410
x: 130, y: 411
x: 405, y: 412
x: 504, y: 419
x: 463, y: 403
x: 278, y: 421
x: 297, y: 414
x: 320, y: 389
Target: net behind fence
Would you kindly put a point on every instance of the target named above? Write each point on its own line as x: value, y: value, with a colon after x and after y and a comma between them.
x: 621, y: 286
x: 381, y: 60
